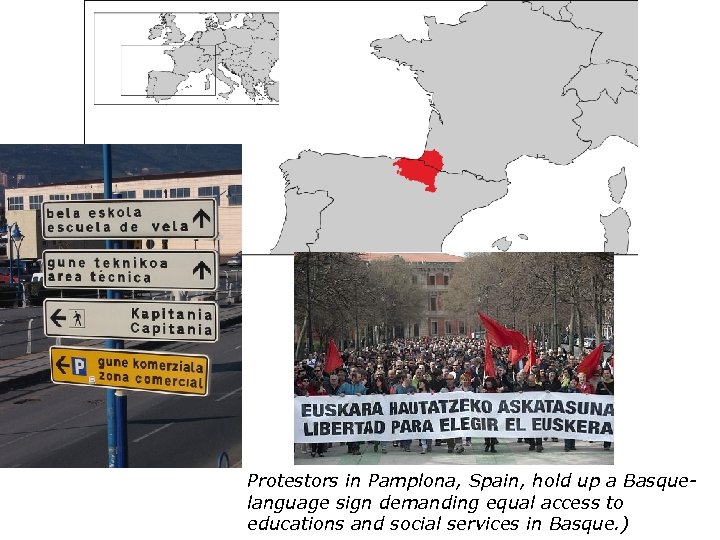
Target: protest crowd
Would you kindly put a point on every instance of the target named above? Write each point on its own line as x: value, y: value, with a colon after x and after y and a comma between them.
x: 449, y: 364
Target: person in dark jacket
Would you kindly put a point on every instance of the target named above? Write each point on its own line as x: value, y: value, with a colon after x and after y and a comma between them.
x: 535, y: 443
x: 489, y: 387
x: 571, y: 388
x: 606, y: 387
x: 379, y: 387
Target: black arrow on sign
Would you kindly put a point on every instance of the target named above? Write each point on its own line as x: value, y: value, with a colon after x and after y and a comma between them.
x: 201, y: 215
x: 59, y: 364
x: 55, y: 317
x: 202, y: 268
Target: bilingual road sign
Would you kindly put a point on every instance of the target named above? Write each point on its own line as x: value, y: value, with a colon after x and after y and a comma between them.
x: 168, y: 373
x: 128, y: 218
x: 188, y: 270
x: 132, y: 319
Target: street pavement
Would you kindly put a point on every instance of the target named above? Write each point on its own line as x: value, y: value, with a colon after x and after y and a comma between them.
x: 509, y: 452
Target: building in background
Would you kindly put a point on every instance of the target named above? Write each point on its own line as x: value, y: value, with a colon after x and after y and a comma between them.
x: 432, y: 272
x: 23, y: 205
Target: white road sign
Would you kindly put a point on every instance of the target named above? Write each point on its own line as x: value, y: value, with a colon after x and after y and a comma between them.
x: 132, y: 319
x: 189, y: 270
x: 128, y: 218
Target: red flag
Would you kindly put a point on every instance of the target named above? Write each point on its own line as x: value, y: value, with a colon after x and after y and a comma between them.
x: 333, y: 360
x: 500, y: 336
x: 489, y: 362
x: 515, y: 356
x: 532, y: 361
x: 591, y: 362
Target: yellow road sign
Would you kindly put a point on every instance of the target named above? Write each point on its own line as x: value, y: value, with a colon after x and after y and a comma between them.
x: 169, y: 373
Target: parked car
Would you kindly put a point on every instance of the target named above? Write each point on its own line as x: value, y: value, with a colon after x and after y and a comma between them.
x: 5, y: 276
x: 235, y: 260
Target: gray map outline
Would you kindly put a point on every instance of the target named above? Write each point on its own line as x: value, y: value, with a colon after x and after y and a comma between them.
x: 565, y: 15
x: 163, y: 85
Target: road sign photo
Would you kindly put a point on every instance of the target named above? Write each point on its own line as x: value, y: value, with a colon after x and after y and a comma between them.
x: 189, y: 270
x: 129, y: 218
x: 167, y: 373
x: 132, y: 319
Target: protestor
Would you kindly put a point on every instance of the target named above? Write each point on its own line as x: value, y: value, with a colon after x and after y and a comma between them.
x: 465, y: 387
x: 405, y: 387
x: 504, y: 382
x: 456, y: 441
x: 518, y: 387
x: 301, y: 385
x: 425, y: 444
x: 490, y: 387
x: 353, y: 388
x: 606, y: 387
x: 380, y: 388
x: 536, y: 443
x: 316, y: 389
x: 552, y: 384
x: 571, y: 388
x: 584, y: 387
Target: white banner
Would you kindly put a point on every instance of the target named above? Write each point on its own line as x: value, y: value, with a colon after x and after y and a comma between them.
x: 454, y: 414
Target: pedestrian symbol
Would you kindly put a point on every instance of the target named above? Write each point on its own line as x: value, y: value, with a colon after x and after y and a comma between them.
x: 78, y: 318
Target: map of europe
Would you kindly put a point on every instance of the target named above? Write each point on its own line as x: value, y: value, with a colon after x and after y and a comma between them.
x: 544, y: 80
x: 236, y: 49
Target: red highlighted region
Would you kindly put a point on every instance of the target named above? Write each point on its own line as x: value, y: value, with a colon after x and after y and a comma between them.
x: 422, y: 170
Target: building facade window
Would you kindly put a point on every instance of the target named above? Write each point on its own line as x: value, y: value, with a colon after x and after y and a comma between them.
x: 36, y: 202
x: 431, y: 280
x: 180, y: 193
x: 446, y: 280
x: 433, y: 304
x: 152, y: 193
x: 433, y: 328
x: 124, y: 195
x: 448, y: 327
x: 416, y: 330
x: 58, y: 197
x: 81, y: 196
x: 213, y: 191
x: 235, y: 195
x: 15, y: 203
x: 461, y: 328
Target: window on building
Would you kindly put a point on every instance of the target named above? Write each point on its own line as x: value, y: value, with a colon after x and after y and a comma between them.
x: 446, y: 280
x: 124, y: 195
x: 36, y: 202
x: 461, y: 328
x: 81, y: 196
x: 431, y: 280
x: 213, y: 191
x: 15, y: 203
x: 433, y: 304
x: 58, y: 197
x: 180, y: 193
x: 416, y: 330
x: 448, y: 327
x: 433, y: 328
x: 152, y: 193
x: 235, y: 195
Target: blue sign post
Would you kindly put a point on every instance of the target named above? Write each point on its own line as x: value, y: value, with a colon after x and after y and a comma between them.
x: 116, y: 404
